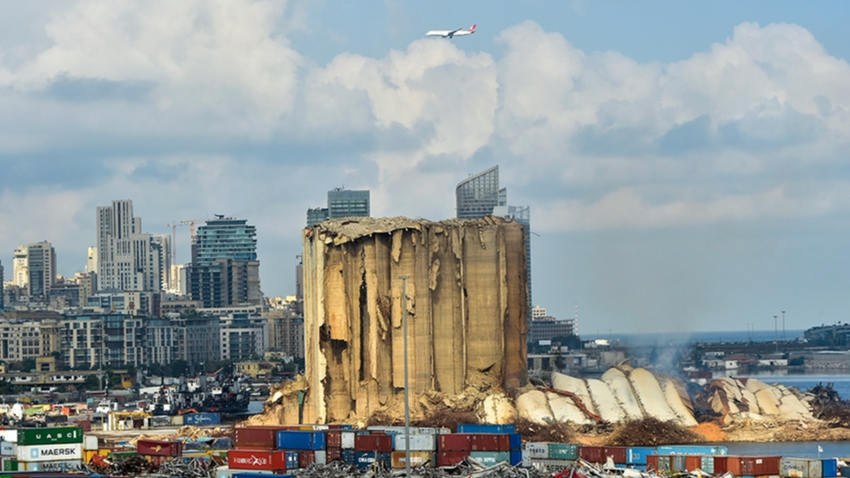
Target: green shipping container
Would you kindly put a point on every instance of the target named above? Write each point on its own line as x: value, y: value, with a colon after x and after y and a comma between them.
x: 49, y: 436
x: 9, y: 464
x: 490, y: 458
x: 563, y: 451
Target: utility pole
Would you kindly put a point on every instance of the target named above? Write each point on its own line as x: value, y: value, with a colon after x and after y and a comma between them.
x: 406, y: 384
x: 783, y: 326
x: 775, y: 333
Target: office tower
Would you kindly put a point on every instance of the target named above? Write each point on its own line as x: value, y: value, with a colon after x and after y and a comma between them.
x: 2, y: 286
x: 224, y: 269
x: 127, y: 258
x: 480, y: 195
x: 341, y: 203
x: 91, y: 260
x: 20, y: 275
x: 164, y: 243
x: 477, y: 195
x: 41, y: 268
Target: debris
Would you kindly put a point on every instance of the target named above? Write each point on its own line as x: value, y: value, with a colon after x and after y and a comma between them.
x: 651, y: 431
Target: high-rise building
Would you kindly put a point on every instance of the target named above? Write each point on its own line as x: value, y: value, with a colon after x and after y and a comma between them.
x: 480, y: 195
x: 127, y: 258
x: 164, y: 251
x: 2, y: 286
x: 341, y: 203
x: 41, y: 269
x: 20, y: 275
x: 477, y: 195
x: 224, y: 269
x: 91, y: 260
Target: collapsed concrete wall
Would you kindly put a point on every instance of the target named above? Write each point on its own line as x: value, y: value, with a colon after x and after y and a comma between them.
x: 466, y: 302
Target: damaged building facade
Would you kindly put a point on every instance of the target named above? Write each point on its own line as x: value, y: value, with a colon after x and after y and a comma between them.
x: 466, y: 300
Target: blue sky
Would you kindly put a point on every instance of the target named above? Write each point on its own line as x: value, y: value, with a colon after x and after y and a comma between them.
x: 685, y: 163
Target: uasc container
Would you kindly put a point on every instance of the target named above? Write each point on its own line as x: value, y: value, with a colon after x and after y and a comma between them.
x: 49, y: 436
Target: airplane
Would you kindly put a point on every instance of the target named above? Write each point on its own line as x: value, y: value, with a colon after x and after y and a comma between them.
x: 451, y: 33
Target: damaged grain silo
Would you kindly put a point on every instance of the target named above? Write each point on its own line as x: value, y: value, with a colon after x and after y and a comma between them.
x: 466, y: 303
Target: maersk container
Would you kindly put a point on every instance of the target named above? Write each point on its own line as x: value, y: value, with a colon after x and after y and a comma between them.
x: 485, y: 428
x: 417, y: 442
x: 58, y: 466
x: 692, y: 450
x: 562, y: 451
x: 636, y: 455
x: 537, y: 450
x: 202, y: 418
x: 800, y: 468
x: 829, y: 468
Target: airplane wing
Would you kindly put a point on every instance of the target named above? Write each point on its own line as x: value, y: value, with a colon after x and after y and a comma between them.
x: 450, y: 33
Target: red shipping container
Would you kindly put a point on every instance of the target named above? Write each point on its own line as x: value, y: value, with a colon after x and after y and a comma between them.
x: 84, y: 424
x: 693, y: 462
x: 256, y: 437
x: 760, y: 465
x: 618, y: 453
x: 730, y: 464
x: 451, y: 458
x: 484, y: 442
x: 593, y: 454
x: 334, y: 439
x: 382, y: 443
x: 159, y: 448
x: 306, y: 458
x: 455, y: 442
x: 247, y: 459
x: 334, y: 454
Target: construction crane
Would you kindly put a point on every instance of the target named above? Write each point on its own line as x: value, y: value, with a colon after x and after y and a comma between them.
x: 173, y: 226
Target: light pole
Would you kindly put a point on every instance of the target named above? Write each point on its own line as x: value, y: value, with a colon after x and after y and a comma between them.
x: 406, y: 384
x: 783, y: 326
x: 775, y: 333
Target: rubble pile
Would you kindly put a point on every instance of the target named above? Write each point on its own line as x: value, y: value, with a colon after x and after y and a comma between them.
x: 557, y: 432
x: 828, y: 406
x: 651, y: 431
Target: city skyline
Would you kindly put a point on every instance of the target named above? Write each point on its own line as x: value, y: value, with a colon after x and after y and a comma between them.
x: 685, y: 163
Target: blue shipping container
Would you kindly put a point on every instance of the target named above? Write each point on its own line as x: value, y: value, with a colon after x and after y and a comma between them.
x: 636, y: 455
x: 203, y: 418
x: 297, y: 440
x: 829, y: 468
x: 319, y: 441
x: 516, y: 457
x: 516, y: 441
x: 693, y: 450
x: 349, y: 457
x: 365, y: 459
x: 485, y: 428
x: 291, y: 458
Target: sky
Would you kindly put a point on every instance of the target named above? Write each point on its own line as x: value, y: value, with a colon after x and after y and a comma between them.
x: 685, y: 162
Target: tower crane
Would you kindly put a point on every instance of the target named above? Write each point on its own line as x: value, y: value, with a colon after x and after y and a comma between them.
x: 173, y: 226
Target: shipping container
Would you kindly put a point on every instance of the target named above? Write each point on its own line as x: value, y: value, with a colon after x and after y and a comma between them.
x: 365, y: 459
x: 451, y: 458
x: 245, y: 459
x: 417, y: 442
x: 8, y: 448
x: 49, y: 436
x: 599, y: 454
x: 178, y: 421
x: 291, y: 459
x: 62, y: 452
x: 84, y: 424
x: 727, y: 464
x: 333, y: 438
x: 536, y: 450
x: 255, y: 474
x: 515, y: 441
x: 488, y: 442
x: 800, y: 468
x: 562, y: 451
x: 301, y: 440
x: 829, y: 468
x: 636, y: 455
x: 347, y: 440
x: 692, y: 450
x: 413, y: 430
x: 490, y: 458
x: 334, y: 454
x: 551, y: 466
x: 90, y: 442
x: 321, y: 457
x: 486, y: 428
x: 659, y: 463
x: 455, y: 442
x: 381, y: 443
x: 159, y: 448
x: 256, y: 437
x: 760, y: 465
x: 159, y: 421
x: 349, y: 457
x: 66, y: 466
x: 9, y: 435
x: 417, y: 459
x: 516, y: 457
x: 203, y: 418
x: 10, y: 464
x: 306, y: 458
x: 707, y: 464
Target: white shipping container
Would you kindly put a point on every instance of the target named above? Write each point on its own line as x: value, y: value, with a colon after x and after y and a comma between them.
x: 8, y: 448
x: 347, y: 439
x: 526, y: 459
x: 537, y: 450
x: 227, y: 472
x: 9, y: 435
x: 89, y: 442
x: 321, y: 457
x: 63, y: 452
x: 61, y: 466
x: 417, y: 442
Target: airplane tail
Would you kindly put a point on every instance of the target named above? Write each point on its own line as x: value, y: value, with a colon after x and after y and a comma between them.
x: 472, y: 30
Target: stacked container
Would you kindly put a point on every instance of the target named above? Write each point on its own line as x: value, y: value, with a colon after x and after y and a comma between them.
x: 485, y: 443
x: 49, y: 449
